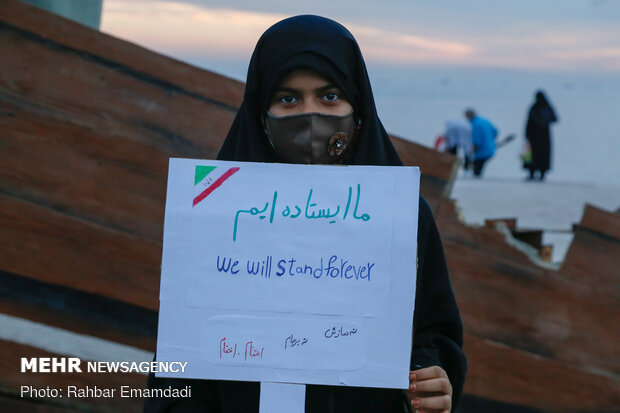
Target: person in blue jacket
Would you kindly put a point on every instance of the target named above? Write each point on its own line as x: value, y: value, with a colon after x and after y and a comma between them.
x: 483, y: 135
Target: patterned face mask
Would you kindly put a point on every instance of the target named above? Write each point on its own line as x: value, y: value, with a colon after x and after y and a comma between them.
x: 310, y: 138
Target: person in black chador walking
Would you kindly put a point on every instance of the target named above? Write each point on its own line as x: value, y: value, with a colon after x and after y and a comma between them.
x: 539, y: 136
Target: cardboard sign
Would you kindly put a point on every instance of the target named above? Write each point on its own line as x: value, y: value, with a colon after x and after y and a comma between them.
x: 289, y: 273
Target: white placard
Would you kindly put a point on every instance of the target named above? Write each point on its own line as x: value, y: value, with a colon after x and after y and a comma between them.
x: 289, y: 273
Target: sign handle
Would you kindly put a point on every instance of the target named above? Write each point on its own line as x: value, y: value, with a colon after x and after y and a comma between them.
x: 282, y: 397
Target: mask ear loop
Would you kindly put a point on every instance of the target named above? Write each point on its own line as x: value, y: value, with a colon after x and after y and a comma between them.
x: 262, y: 121
x: 354, y: 138
x: 356, y: 131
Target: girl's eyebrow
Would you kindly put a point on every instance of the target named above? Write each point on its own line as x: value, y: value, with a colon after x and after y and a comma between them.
x: 286, y: 89
x: 317, y: 90
x: 327, y: 87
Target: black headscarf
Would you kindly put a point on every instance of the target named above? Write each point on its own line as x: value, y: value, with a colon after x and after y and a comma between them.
x: 541, y: 115
x: 541, y: 99
x: 328, y: 48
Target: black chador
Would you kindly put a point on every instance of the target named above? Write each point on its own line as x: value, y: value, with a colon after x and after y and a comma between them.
x: 326, y: 47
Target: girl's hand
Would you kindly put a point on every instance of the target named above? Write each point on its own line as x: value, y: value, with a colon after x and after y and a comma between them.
x: 430, y: 390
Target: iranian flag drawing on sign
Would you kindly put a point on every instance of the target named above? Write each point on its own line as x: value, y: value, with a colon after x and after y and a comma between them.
x: 208, y: 178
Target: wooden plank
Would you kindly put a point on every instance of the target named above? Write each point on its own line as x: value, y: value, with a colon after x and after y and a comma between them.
x: 76, y: 311
x: 105, y: 157
x: 501, y: 373
x: 592, y: 265
x: 125, y: 54
x: 507, y: 299
x: 77, y: 324
x: 92, y: 94
x: 601, y: 221
x: 438, y: 170
x: 431, y: 162
x: 108, y: 181
x: 39, y: 243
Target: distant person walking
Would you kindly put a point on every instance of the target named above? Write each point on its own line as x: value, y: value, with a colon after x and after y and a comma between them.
x: 537, y: 132
x: 483, y: 135
x: 458, y: 138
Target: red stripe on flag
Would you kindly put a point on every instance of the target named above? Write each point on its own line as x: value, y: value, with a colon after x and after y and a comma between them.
x: 218, y: 182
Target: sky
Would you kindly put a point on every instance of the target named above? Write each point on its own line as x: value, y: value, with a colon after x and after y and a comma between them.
x: 428, y: 60
x: 579, y: 35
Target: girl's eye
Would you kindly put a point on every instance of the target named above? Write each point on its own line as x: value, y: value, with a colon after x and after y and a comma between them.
x: 331, y: 97
x: 288, y: 100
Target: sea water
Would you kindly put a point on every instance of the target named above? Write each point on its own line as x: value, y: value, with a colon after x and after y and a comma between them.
x: 415, y: 103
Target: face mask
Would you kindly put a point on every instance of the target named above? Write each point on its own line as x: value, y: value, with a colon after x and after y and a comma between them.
x: 310, y: 138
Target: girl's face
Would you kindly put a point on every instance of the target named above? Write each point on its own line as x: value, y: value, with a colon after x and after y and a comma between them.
x: 305, y: 91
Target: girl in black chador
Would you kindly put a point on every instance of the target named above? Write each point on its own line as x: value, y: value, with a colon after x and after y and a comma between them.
x: 308, y: 100
x: 539, y: 136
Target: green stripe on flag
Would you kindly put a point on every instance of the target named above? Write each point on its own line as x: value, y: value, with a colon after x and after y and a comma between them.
x: 202, y: 172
